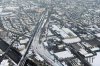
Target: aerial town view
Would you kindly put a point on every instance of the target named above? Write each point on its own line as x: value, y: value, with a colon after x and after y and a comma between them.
x: 49, y: 32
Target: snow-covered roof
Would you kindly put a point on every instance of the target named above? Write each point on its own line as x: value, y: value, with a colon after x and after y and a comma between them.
x: 59, y: 31
x: 64, y: 54
x: 82, y: 51
x: 68, y: 31
x: 5, y: 13
x: 95, y: 49
x: 72, y: 40
x: 24, y: 41
x: 4, y: 63
x: 11, y: 8
x: 57, y: 39
x: 1, y: 9
x: 1, y: 30
x: 23, y: 51
x: 89, y: 54
x: 67, y: 34
x: 96, y: 60
x: 85, y: 53
x: 92, y: 29
x: 1, y: 51
x: 64, y: 63
x: 49, y: 33
x: 97, y: 10
x: 45, y: 43
x: 64, y: 34
x: 21, y: 47
x: 98, y: 34
x: 38, y: 57
x: 86, y: 44
x: 54, y: 27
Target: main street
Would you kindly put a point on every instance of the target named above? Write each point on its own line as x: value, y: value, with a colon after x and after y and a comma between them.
x: 39, y: 48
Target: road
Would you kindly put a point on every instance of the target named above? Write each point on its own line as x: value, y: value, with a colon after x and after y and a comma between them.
x: 39, y: 48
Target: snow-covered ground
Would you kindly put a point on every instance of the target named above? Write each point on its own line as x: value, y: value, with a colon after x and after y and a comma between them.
x: 96, y: 61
